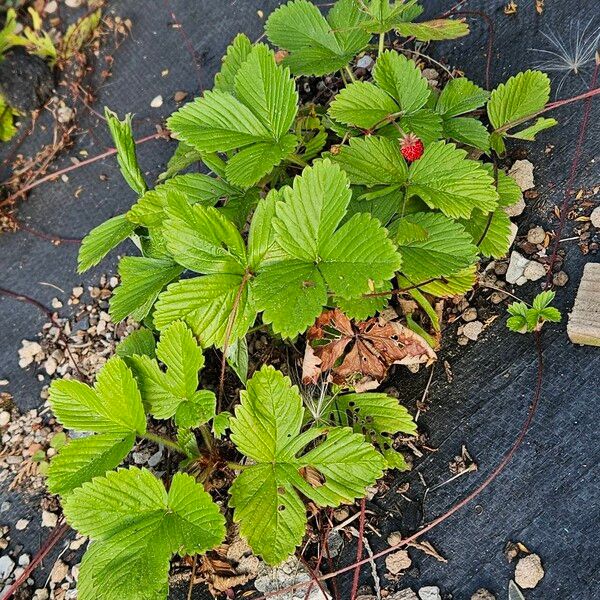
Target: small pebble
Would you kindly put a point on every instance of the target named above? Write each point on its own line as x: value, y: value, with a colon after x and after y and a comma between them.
x: 49, y: 519
x: 534, y: 271
x: 22, y: 524
x: 516, y: 209
x: 157, y: 102
x: 7, y: 564
x: 470, y: 314
x: 24, y: 560
x: 472, y: 330
x: 560, y: 279
x: 483, y: 594
x: 180, y: 96
x: 405, y: 594
x: 365, y: 62
x: 4, y: 418
x: 522, y: 173
x: 398, y: 562
x: 529, y: 572
x: 59, y: 572
x: 430, y: 592
x: 536, y: 235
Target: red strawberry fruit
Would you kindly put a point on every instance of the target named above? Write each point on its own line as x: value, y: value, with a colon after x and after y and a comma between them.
x: 411, y: 147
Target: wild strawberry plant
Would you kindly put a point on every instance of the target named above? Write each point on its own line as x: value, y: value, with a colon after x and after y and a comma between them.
x: 305, y: 207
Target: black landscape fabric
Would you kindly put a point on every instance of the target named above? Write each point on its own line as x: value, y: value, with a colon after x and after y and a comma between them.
x: 548, y: 496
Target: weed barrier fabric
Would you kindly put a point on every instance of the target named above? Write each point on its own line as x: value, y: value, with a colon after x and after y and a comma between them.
x: 547, y: 497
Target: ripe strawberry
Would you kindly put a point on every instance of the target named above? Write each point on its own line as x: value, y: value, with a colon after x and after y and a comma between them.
x: 411, y: 147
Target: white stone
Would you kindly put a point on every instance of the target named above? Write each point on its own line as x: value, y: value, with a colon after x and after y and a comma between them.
x: 472, y: 330
x: 430, y: 592
x: 157, y: 101
x: 49, y: 519
x: 405, y: 594
x: 41, y: 594
x: 595, y: 217
x: 522, y: 173
x: 534, y: 271
x: 7, y: 564
x: 24, y: 560
x: 22, y: 524
x: 516, y: 266
x: 365, y: 62
x: 4, y: 418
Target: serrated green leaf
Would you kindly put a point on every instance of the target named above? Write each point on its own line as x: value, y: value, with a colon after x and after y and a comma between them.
x: 261, y: 234
x: 373, y: 161
x: 467, y: 131
x: 384, y: 15
x: 316, y: 45
x: 489, y: 231
x: 543, y: 299
x: 292, y: 294
x: 140, y: 341
x: 221, y: 423
x: 183, y: 157
x: 126, y: 155
x: 84, y: 458
x: 530, y: 132
x: 113, y: 405
x: 521, y: 96
x: 402, y: 80
x: 265, y: 496
x: 509, y: 192
x: 435, y: 30
x: 142, y: 280
x: 205, y: 304
x: 460, y: 96
x: 363, y: 104
x: 445, y: 179
x: 425, y: 124
x: 136, y: 527
x: 445, y: 287
x: 357, y: 255
x: 268, y: 90
x: 447, y: 249
x: 101, y: 240
x: 201, y: 239
x: 237, y: 53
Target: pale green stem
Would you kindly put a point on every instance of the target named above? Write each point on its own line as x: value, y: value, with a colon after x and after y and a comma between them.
x: 381, y: 43
x: 350, y: 74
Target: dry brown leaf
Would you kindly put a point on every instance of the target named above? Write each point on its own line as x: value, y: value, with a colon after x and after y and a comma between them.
x: 360, y: 354
x: 428, y: 548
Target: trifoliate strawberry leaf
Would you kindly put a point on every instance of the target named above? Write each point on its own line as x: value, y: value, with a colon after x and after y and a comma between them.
x: 101, y: 240
x: 256, y: 120
x: 543, y: 299
x: 318, y: 253
x: 470, y: 132
x: 460, y: 96
x: 135, y: 527
x: 373, y: 161
x: 435, y: 30
x: 237, y: 53
x: 212, y: 306
x: 112, y: 409
x: 174, y: 393
x: 377, y: 417
x: 530, y: 132
x: 402, y: 80
x: 265, y: 496
x: 126, y: 156
x: 317, y: 45
x: 446, y: 249
x: 142, y: 280
x: 446, y: 180
x: 363, y: 104
x: 521, y: 96
x: 489, y: 231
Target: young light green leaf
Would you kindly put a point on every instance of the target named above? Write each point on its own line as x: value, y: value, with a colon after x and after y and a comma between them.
x: 521, y: 96
x: 460, y: 96
x: 265, y: 496
x: 142, y: 280
x: 435, y: 30
x: 445, y: 179
x: 221, y: 423
x: 101, y: 240
x: 237, y: 53
x: 173, y: 393
x: 316, y: 45
x: 447, y: 248
x: 530, y: 132
x: 140, y: 341
x: 402, y: 80
x: 384, y: 15
x: 126, y: 155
